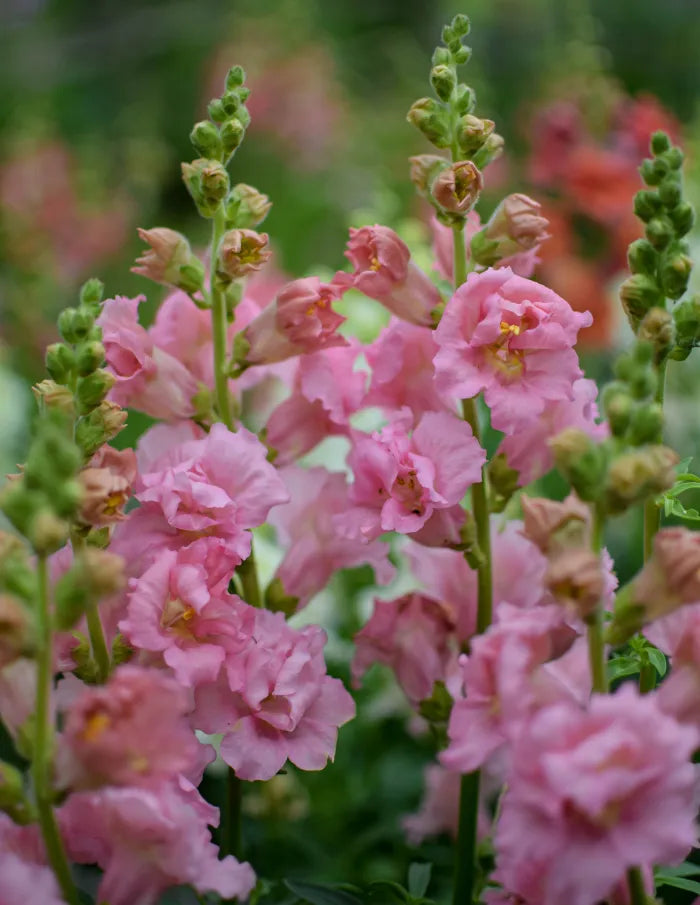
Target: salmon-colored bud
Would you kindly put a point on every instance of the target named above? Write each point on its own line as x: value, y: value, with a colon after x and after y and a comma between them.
x: 457, y: 188
x: 555, y: 526
x: 54, y: 396
x: 106, y: 485
x: 169, y: 260
x: 424, y: 169
x: 242, y: 251
x: 15, y: 629
x: 575, y: 579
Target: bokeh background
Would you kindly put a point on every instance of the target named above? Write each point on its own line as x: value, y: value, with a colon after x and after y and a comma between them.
x: 96, y: 102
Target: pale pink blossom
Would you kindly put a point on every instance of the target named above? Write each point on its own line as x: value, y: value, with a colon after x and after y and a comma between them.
x: 402, y: 478
x: 17, y: 694
x: 176, y: 611
x: 383, y: 270
x: 413, y: 636
x: 301, y: 320
x: 132, y: 731
x: 314, y: 547
x: 149, y: 839
x: 274, y: 701
x: 611, y: 786
x: 503, y: 687
x: 511, y: 338
x: 148, y: 378
x: 327, y: 391
x: 26, y: 877
x: 403, y: 373
x: 526, y: 447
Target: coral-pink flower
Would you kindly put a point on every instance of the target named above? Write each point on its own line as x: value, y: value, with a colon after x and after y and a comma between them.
x: 502, y: 684
x: 327, y: 391
x: 610, y: 786
x: 300, y: 320
x: 383, y: 270
x: 511, y: 338
x: 526, y: 447
x: 132, y: 731
x: 274, y: 702
x: 176, y: 611
x: 148, y: 840
x: 402, y: 478
x: 412, y: 635
x: 314, y: 547
x: 26, y: 877
x: 148, y: 378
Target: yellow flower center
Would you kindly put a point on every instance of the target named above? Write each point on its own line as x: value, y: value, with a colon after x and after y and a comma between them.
x: 96, y: 724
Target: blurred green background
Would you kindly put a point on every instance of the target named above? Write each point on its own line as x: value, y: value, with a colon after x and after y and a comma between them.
x: 96, y: 102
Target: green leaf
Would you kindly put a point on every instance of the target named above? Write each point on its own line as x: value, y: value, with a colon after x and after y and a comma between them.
x: 321, y: 894
x: 686, y: 869
x: 388, y: 891
x: 657, y: 660
x: 419, y: 878
x: 679, y: 883
x: 619, y: 667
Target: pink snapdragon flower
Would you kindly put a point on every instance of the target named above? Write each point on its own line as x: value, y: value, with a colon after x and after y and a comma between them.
x: 678, y: 635
x: 383, y: 270
x: 147, y: 377
x: 526, y: 447
x: 503, y: 686
x: 26, y: 877
x: 327, y: 391
x: 402, y: 478
x: 403, y: 374
x: 301, y: 320
x: 147, y: 840
x: 274, y: 701
x: 412, y: 635
x: 176, y: 612
x: 132, y: 731
x: 219, y: 484
x: 511, y: 338
x: 314, y: 547
x: 612, y: 786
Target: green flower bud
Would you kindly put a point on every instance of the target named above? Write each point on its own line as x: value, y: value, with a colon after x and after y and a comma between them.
x: 653, y: 171
x: 47, y: 532
x: 441, y: 56
x: 490, y: 151
x: 617, y: 405
x: 639, y: 474
x: 580, y: 460
x: 277, y: 599
x: 91, y: 294
x: 473, y: 133
x: 464, y: 100
x: 99, y: 426
x: 122, y: 651
x: 52, y: 395
x: 207, y: 183
x: 216, y: 110
x: 659, y: 143
x: 443, y: 80
x: 74, y: 324
x: 638, y: 294
x: 89, y: 357
x: 432, y: 120
x: 461, y: 55
x: 674, y: 158
x: 235, y: 78
x: 670, y: 193
x: 437, y: 708
x: 246, y: 207
x: 642, y: 257
x: 646, y: 424
x: 93, y: 388
x: 656, y: 329
x: 503, y: 482
x: 660, y: 231
x: 646, y: 205
x: 686, y: 316
x: 448, y: 34
x: 206, y: 140
x: 461, y: 25
x: 232, y: 134
x: 674, y: 275
x: 11, y: 787
x: 682, y: 217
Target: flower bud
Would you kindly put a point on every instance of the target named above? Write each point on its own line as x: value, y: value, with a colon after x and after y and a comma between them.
x: 674, y: 158
x: 216, y: 111
x: 646, y: 424
x: 91, y: 293
x: 461, y: 25
x: 277, y: 599
x: 93, y: 388
x: 647, y: 205
x: 207, y: 182
x: 89, y: 357
x: 674, y: 275
x: 660, y: 231
x: 492, y: 149
x: 641, y: 473
x: 241, y: 252
x: 473, y: 133
x: 60, y: 361
x: 638, y: 294
x: 246, y: 207
x: 11, y: 787
x: 659, y: 142
x: 93, y: 575
x: 53, y: 395
x: 464, y: 99
x: 461, y: 55
x: 99, y: 426
x: 515, y: 226
x: 503, y: 482
x: 206, y: 140
x: 653, y: 171
x: 74, y: 324
x: 580, y: 460
x: 427, y: 115
x: 443, y: 80
x: 17, y: 573
x: 16, y: 633
x: 235, y: 78
x: 657, y: 329
x: 169, y: 260
x: 617, y: 405
x: 47, y: 532
x: 232, y: 135
x: 424, y: 169
x: 441, y: 55
x: 555, y: 526
x: 686, y: 317
x: 457, y: 188
x: 576, y: 581
x: 670, y: 192
x: 642, y: 257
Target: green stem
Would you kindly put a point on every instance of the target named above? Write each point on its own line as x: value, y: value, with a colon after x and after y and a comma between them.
x: 219, y: 325
x: 459, y: 255
x: 43, y: 740
x: 248, y: 574
x: 100, y: 651
x: 595, y: 626
x: 231, y: 821
x: 647, y: 678
x: 652, y: 513
x: 635, y: 881
x: 483, y: 533
x: 465, y: 866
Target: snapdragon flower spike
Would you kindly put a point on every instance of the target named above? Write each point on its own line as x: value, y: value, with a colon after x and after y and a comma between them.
x: 502, y: 685
x: 612, y: 785
x: 314, y: 547
x: 147, y: 840
x: 511, y: 338
x: 174, y: 611
x: 383, y: 270
x: 326, y: 392
x: 274, y: 701
x: 300, y: 320
x: 147, y: 377
x: 404, y: 477
x: 130, y: 732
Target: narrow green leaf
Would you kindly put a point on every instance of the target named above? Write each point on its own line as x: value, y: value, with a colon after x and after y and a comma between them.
x: 679, y: 883
x: 320, y: 893
x: 686, y: 869
x: 419, y: 878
